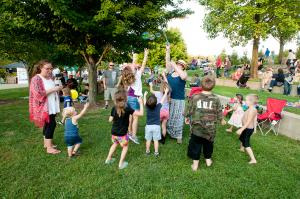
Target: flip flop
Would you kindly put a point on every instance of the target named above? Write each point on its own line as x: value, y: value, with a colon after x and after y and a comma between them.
x: 110, y: 161
x: 54, y: 152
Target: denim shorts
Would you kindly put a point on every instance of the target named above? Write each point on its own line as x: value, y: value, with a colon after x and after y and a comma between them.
x: 72, y: 140
x: 133, y: 103
x: 152, y: 132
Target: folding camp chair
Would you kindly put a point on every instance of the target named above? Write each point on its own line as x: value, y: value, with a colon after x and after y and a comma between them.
x: 271, y: 118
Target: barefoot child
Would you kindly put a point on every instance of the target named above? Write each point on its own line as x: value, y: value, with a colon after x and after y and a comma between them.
x: 72, y: 138
x: 120, y: 114
x: 152, y: 130
x: 203, y: 114
x: 249, y: 124
x: 237, y: 115
x: 164, y: 111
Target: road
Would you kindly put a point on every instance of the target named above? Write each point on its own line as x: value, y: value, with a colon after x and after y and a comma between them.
x: 11, y: 86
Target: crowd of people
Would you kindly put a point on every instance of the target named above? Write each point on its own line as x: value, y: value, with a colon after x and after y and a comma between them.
x: 166, y: 111
x: 284, y: 76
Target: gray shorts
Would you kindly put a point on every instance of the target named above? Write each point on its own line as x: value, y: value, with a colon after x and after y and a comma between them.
x: 152, y: 132
x: 109, y: 93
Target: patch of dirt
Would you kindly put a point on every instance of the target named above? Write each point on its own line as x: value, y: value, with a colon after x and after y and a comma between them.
x: 6, y: 156
x: 6, y: 102
x: 8, y: 133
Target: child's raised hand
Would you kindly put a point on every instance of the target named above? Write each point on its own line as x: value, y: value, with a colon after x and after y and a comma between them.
x: 146, y: 51
x: 145, y: 93
x: 167, y: 90
x: 86, y: 105
x: 168, y: 46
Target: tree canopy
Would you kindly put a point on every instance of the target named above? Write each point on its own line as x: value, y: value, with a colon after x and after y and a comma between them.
x: 84, y: 28
x: 241, y: 21
x: 157, y: 48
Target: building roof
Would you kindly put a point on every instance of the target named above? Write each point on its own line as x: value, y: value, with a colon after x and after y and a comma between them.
x: 14, y: 65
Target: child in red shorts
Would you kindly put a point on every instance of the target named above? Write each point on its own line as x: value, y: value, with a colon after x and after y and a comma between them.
x: 120, y: 114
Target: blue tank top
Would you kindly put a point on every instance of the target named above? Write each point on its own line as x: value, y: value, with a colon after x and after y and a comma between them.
x: 177, y: 85
x: 70, y: 128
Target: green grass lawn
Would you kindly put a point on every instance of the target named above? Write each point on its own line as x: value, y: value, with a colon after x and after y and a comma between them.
x: 26, y: 171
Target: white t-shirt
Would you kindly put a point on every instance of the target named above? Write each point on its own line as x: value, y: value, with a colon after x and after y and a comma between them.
x: 53, y: 100
x: 291, y: 55
x: 137, y: 85
x: 165, y: 104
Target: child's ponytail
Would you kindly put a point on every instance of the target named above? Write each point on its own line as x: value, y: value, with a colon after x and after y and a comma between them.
x: 120, y: 101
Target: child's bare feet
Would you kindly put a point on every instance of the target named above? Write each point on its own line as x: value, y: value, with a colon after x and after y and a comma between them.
x: 194, y: 168
x: 208, y: 162
x: 252, y: 162
x: 229, y: 130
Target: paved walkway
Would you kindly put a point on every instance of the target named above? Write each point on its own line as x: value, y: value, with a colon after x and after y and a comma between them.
x: 11, y: 86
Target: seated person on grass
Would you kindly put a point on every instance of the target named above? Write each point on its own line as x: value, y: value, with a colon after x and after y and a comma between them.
x: 85, y: 94
x: 277, y: 79
x: 195, y: 82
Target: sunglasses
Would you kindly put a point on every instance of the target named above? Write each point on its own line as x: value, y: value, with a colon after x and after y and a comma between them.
x: 111, y: 65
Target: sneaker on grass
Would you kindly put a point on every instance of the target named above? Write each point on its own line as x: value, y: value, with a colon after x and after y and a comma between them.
x: 110, y: 161
x: 134, y: 139
x: 124, y: 165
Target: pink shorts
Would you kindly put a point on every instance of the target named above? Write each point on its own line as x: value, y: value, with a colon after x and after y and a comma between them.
x: 164, y: 114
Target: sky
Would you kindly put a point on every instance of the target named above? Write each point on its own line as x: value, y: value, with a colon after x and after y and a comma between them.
x: 199, y: 44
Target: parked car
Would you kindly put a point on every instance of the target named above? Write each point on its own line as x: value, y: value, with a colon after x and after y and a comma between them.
x: 205, y: 64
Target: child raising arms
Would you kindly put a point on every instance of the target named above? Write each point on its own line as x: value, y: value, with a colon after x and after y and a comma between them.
x: 120, y: 114
x: 249, y: 124
x: 72, y: 138
x: 152, y: 129
x: 164, y: 111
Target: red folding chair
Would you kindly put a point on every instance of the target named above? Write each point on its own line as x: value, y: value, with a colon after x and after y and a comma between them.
x: 271, y: 118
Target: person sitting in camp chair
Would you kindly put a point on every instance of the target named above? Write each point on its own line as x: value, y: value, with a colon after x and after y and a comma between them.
x: 83, y: 98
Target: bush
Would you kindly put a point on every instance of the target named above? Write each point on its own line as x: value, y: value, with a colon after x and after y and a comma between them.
x: 234, y: 59
x: 3, y: 73
x: 298, y: 53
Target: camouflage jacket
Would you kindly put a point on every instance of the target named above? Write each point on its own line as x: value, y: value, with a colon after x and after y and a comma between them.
x: 205, y: 112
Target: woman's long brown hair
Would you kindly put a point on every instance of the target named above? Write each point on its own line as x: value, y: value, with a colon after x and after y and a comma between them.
x: 38, y: 67
x: 128, y: 77
x: 120, y: 101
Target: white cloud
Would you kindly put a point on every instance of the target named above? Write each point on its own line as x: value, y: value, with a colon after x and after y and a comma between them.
x: 198, y: 43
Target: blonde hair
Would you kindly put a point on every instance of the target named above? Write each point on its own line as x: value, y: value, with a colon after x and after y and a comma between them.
x: 66, y: 91
x: 68, y: 112
x: 253, y: 98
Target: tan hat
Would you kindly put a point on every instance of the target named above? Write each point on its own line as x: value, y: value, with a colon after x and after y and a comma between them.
x: 182, y: 63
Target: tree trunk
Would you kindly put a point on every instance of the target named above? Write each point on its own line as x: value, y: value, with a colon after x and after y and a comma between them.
x: 92, y: 70
x: 281, y: 46
x: 254, y: 62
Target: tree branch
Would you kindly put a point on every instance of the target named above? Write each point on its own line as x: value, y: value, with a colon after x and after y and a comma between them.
x: 84, y: 56
x: 106, y: 49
